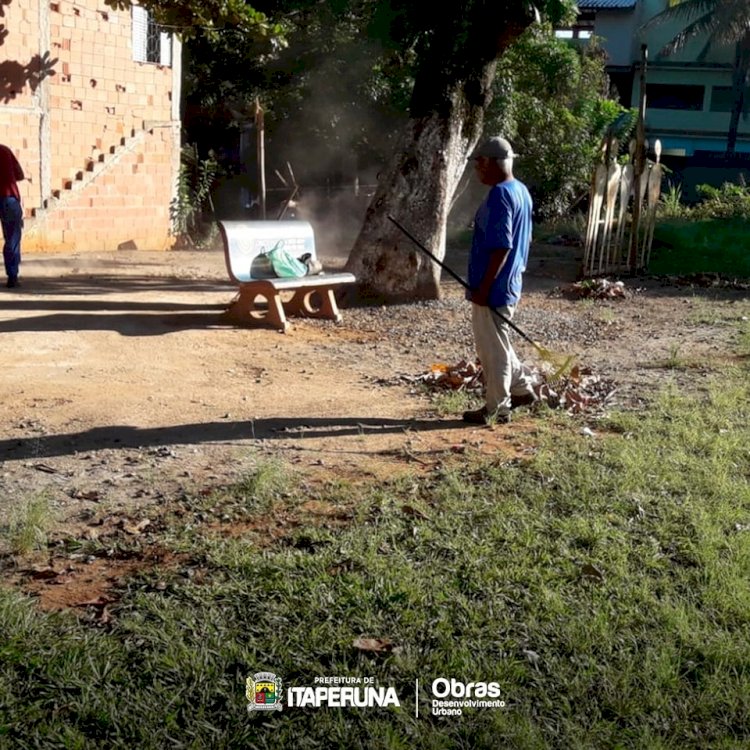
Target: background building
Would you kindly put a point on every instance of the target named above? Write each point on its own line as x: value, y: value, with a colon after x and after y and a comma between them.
x: 689, y: 97
x: 90, y: 105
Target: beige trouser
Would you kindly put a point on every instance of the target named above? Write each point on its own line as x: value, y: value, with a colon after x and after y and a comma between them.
x: 503, y: 373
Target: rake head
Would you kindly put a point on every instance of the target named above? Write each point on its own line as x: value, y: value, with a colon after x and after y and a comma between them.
x: 561, y: 364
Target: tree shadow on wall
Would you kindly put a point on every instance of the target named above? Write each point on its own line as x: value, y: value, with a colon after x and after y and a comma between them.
x: 14, y: 76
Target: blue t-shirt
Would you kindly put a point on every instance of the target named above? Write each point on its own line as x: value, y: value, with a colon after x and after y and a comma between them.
x: 502, y: 222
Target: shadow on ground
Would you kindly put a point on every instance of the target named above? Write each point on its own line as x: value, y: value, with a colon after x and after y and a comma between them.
x: 275, y: 428
x: 72, y: 285
x: 133, y: 324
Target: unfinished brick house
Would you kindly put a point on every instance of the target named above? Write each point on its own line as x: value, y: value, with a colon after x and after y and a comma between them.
x: 90, y: 106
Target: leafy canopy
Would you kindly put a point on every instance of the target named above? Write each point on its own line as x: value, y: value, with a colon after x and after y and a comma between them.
x: 552, y: 100
x: 190, y: 17
x: 723, y: 22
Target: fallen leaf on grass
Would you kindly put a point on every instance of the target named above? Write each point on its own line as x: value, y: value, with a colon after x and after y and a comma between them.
x: 345, y: 566
x: 135, y: 528
x: 92, y: 495
x: 320, y: 508
x: 591, y: 571
x: 373, y: 645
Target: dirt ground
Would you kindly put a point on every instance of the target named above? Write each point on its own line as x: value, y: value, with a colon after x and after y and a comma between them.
x: 122, y: 388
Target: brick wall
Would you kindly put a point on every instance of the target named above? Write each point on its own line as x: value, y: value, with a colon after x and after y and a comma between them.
x: 19, y: 110
x: 97, y: 137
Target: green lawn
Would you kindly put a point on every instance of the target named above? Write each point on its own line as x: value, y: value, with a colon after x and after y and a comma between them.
x: 707, y: 245
x: 603, y: 585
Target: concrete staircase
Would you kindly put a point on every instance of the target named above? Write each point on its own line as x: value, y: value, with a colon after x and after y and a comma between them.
x: 98, y: 163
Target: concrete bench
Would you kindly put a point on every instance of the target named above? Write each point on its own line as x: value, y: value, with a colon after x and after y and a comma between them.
x: 259, y: 297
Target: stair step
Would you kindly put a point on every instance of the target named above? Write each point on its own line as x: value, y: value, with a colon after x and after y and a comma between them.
x: 92, y: 163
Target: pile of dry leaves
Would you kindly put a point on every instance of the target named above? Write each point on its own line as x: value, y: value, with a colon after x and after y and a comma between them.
x: 598, y: 289
x: 580, y: 390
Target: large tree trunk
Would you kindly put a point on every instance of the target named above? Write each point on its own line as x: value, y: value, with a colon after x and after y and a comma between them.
x: 739, y: 85
x: 452, y: 89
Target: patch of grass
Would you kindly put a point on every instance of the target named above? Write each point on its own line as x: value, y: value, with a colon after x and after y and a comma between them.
x: 259, y: 489
x: 684, y: 246
x: 602, y: 584
x: 27, y: 531
x: 449, y: 403
x: 715, y: 313
x: 607, y: 315
x: 743, y: 339
x: 703, y: 312
x: 675, y: 360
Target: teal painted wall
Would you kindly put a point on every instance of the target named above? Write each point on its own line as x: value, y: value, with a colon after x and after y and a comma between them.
x: 681, y: 131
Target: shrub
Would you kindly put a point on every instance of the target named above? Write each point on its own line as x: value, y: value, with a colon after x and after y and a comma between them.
x: 552, y: 102
x: 670, y: 203
x: 730, y: 201
x: 195, y: 182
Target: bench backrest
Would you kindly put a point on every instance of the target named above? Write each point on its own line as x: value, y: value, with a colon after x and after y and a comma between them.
x: 244, y: 241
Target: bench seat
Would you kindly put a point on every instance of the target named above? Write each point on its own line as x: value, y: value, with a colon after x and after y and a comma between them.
x: 259, y: 300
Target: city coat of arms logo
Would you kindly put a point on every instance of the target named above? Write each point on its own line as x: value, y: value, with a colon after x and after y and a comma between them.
x: 263, y: 691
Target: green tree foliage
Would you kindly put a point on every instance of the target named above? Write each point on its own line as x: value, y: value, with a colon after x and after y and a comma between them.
x: 721, y: 23
x: 552, y: 100
x: 340, y: 83
x: 343, y: 79
x: 189, y: 18
x: 343, y: 85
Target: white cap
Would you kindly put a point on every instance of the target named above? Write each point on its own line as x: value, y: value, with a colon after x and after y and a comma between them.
x: 494, y: 148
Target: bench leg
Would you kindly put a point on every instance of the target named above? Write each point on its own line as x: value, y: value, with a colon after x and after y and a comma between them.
x: 302, y: 304
x: 244, y: 309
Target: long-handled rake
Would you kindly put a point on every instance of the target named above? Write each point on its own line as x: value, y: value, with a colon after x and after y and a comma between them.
x: 560, y: 363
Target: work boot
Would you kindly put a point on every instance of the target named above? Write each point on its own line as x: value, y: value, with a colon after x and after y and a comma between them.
x: 482, y: 416
x: 476, y: 416
x: 525, y: 399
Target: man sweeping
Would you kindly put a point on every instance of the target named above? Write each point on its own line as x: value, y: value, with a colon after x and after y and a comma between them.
x: 499, y: 252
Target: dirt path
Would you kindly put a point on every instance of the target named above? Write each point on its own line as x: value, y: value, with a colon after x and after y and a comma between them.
x: 121, y: 387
